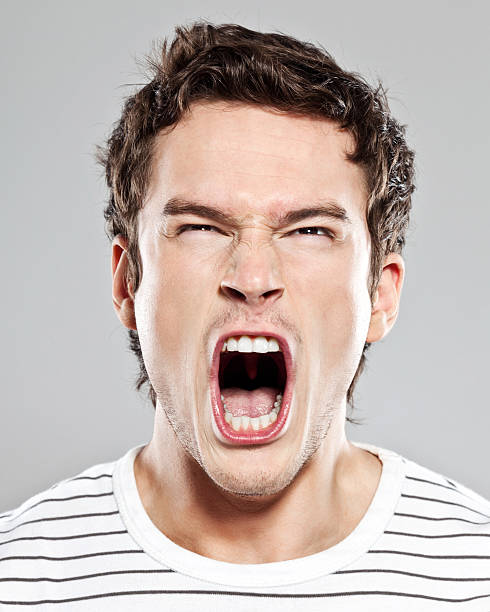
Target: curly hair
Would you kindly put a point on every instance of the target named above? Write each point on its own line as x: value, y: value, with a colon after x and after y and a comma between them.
x: 229, y: 62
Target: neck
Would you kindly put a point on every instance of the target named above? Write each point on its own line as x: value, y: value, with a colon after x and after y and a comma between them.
x: 322, y: 505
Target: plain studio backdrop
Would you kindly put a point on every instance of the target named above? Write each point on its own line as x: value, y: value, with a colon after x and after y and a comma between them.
x: 68, y: 397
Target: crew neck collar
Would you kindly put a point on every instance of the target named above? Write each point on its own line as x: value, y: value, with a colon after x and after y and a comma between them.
x: 280, y: 573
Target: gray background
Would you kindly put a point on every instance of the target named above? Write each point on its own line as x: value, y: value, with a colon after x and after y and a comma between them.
x: 68, y: 400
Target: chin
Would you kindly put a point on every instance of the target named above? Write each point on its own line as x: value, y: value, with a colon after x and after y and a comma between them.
x: 254, y: 481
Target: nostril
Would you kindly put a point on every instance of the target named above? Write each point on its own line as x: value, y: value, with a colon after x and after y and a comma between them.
x: 233, y: 293
x: 251, y: 295
x: 273, y: 292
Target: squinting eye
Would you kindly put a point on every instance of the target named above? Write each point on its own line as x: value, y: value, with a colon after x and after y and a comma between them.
x: 196, y: 226
x: 311, y: 231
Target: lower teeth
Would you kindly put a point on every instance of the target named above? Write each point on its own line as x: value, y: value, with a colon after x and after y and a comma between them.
x: 245, y: 423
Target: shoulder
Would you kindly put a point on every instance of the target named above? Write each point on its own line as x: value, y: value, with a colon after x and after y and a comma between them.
x: 440, y: 518
x: 84, y: 495
x: 437, y: 529
x: 59, y: 539
x: 439, y: 490
x: 428, y: 488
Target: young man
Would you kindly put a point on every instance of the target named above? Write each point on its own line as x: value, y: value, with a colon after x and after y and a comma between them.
x: 259, y: 197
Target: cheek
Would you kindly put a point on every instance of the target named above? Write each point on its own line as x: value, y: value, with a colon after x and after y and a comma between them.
x: 333, y: 304
x: 157, y: 312
x: 171, y: 298
x: 342, y: 318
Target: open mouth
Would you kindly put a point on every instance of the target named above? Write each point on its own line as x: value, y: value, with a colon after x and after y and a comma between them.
x: 250, y: 388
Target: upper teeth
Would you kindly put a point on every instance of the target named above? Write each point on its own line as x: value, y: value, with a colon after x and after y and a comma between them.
x: 246, y: 344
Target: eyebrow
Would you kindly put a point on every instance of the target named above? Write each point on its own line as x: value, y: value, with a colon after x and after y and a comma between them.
x: 180, y: 206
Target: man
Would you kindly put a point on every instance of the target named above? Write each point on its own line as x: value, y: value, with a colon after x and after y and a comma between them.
x: 259, y: 198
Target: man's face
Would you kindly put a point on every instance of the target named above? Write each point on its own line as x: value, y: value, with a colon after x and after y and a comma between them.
x: 253, y: 273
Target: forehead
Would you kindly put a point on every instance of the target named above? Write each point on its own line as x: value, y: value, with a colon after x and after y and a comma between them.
x: 256, y: 161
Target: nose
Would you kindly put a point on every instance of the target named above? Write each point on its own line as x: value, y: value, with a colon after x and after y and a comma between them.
x: 253, y: 277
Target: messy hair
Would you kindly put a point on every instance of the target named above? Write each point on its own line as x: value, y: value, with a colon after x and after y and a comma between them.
x: 228, y: 62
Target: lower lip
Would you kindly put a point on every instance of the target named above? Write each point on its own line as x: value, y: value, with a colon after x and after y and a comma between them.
x: 250, y: 436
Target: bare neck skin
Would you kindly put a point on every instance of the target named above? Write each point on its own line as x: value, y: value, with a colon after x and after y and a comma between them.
x: 323, y: 504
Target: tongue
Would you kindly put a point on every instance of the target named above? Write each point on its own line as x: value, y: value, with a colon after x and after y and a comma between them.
x: 241, y: 402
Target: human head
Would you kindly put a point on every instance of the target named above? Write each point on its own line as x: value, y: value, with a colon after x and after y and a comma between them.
x: 232, y: 63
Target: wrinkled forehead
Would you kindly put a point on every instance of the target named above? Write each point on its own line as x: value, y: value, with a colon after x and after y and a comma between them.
x: 255, y: 161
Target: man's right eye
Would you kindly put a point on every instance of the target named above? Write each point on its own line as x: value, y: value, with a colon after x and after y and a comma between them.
x: 195, y: 226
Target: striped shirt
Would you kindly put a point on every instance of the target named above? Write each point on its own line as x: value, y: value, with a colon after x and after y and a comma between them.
x: 87, y: 544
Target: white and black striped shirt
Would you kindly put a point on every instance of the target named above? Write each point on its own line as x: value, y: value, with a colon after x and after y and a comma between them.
x: 87, y: 544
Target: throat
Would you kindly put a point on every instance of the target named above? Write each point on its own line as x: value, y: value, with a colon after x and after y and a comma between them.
x: 255, y: 403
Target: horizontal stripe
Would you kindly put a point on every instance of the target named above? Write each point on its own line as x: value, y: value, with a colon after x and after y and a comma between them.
x: 70, y: 537
x: 403, y: 573
x: 68, y: 480
x: 89, y: 477
x: 412, y: 554
x: 436, y: 518
x: 241, y: 594
x: 444, y: 501
x: 86, y: 556
x: 60, y: 499
x: 87, y: 576
x: 446, y: 535
x: 171, y: 571
x: 437, y: 484
x: 61, y: 518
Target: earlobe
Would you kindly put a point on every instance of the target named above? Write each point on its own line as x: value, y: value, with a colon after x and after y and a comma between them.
x: 387, y: 298
x: 122, y: 296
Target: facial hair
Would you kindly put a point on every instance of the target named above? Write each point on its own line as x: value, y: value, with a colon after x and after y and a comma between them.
x: 261, y: 483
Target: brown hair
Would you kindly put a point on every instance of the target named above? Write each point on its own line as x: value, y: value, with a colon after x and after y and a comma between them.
x: 232, y: 63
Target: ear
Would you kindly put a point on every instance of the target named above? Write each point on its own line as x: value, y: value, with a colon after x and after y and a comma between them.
x: 387, y: 298
x: 122, y: 296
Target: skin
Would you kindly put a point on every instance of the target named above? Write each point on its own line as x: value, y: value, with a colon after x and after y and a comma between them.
x: 237, y: 503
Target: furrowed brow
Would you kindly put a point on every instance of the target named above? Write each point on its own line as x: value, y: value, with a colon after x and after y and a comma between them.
x: 330, y: 209
x: 179, y: 206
